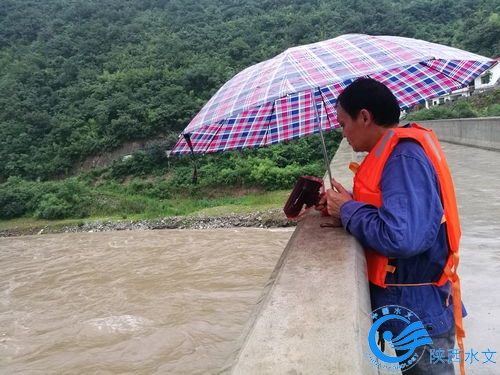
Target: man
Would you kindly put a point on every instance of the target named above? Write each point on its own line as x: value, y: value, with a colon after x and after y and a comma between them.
x: 403, y: 214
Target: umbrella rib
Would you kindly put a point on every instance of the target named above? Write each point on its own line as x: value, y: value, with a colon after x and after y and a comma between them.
x: 446, y: 75
x: 326, y: 111
x: 284, y: 58
x: 221, y: 123
x: 264, y: 141
x: 462, y: 85
x: 405, y: 47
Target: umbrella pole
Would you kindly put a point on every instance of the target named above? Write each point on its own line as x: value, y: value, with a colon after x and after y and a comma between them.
x: 323, y: 145
x: 325, y: 155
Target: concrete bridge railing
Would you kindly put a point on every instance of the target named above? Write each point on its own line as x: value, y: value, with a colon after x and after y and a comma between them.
x: 313, y: 317
x: 481, y: 132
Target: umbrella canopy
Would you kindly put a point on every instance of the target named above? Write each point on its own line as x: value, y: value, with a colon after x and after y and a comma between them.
x: 294, y: 93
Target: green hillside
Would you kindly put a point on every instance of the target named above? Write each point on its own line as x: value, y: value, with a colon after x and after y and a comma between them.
x: 81, y: 77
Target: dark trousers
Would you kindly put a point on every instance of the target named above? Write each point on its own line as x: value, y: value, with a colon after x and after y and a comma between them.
x: 426, y: 366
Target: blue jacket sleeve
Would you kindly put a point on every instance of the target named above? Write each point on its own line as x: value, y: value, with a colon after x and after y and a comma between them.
x: 408, y: 221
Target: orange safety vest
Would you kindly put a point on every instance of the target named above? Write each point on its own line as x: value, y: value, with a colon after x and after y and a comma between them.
x: 367, y: 189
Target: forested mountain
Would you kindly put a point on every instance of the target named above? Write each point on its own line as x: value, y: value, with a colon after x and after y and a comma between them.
x: 81, y: 76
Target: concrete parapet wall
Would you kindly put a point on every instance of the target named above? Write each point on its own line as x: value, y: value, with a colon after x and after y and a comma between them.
x: 314, y: 317
x: 481, y: 132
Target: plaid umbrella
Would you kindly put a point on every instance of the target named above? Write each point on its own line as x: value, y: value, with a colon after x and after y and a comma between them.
x: 290, y: 95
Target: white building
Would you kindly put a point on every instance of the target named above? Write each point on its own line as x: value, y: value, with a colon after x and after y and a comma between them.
x: 486, y: 81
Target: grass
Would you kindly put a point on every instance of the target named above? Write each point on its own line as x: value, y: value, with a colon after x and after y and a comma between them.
x: 114, y: 203
x: 30, y: 222
x: 118, y: 207
x: 245, y: 204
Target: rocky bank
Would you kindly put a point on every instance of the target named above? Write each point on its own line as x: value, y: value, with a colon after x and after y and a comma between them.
x: 260, y: 219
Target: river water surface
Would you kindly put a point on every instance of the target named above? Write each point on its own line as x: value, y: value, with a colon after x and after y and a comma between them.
x: 135, y: 302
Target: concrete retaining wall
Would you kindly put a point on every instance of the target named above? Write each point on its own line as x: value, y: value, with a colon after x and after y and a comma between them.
x: 313, y: 317
x: 477, y: 132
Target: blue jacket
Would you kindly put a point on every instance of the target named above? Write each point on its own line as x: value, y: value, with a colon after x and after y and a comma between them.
x: 412, y: 233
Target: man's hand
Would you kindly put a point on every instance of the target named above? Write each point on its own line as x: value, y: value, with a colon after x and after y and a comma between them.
x: 334, y: 199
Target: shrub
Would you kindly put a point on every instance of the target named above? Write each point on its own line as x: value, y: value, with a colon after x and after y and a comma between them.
x: 11, y: 205
x: 59, y: 199
x: 271, y: 177
x: 157, y: 188
x: 463, y: 109
x: 14, y: 198
x: 52, y: 207
x: 493, y: 110
x: 434, y: 113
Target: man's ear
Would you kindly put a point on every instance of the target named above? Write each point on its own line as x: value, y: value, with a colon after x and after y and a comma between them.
x: 365, y: 116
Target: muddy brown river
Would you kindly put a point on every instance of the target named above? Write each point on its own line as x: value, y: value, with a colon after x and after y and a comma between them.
x: 130, y: 302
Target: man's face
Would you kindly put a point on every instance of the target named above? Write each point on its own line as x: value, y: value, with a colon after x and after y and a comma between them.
x: 352, y: 129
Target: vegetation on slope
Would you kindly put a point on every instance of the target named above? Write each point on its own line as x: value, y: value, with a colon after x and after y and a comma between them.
x: 78, y: 77
x: 485, y: 104
x: 81, y: 77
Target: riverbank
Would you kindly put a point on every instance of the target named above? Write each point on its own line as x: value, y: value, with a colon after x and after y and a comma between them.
x: 270, y: 218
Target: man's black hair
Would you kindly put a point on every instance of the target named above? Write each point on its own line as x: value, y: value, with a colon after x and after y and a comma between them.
x: 373, y: 96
